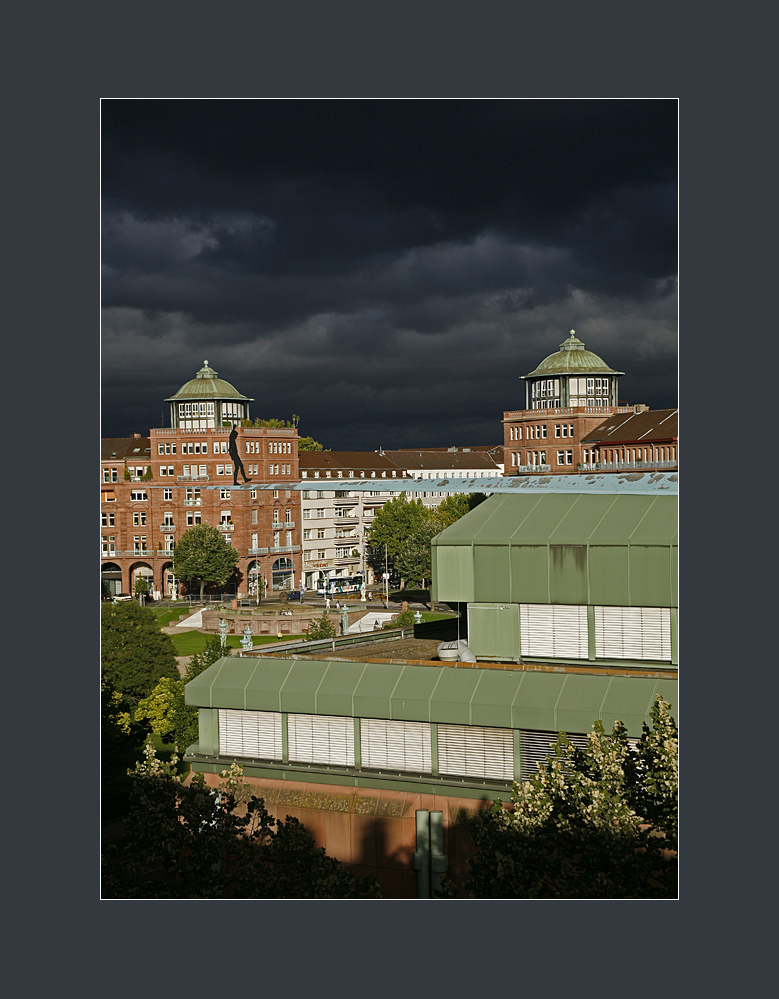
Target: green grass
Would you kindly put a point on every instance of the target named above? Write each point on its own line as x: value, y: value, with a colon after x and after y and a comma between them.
x: 166, y: 616
x: 188, y: 643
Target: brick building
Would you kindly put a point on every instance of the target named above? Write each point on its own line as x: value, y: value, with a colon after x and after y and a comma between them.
x: 566, y: 397
x: 153, y: 488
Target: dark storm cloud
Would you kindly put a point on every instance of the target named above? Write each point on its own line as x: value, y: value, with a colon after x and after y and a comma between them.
x: 387, y: 269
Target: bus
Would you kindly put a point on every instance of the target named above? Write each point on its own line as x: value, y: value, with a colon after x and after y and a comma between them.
x: 339, y: 586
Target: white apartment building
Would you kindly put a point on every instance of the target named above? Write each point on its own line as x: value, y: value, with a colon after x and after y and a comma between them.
x: 335, y: 521
x: 464, y: 463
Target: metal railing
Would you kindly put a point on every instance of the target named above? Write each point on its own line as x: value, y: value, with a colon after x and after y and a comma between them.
x: 613, y: 466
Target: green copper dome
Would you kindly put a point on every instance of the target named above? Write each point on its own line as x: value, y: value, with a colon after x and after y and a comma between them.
x: 572, y: 359
x: 207, y: 385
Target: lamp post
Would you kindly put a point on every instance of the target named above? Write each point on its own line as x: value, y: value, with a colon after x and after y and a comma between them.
x: 246, y: 641
x: 223, y: 634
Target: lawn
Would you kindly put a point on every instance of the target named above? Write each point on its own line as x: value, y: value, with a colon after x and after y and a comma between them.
x: 188, y: 643
x: 169, y: 615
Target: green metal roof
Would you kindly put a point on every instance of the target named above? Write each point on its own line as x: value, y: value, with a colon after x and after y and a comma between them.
x: 572, y: 359
x: 566, y: 518
x: 495, y: 698
x: 207, y: 385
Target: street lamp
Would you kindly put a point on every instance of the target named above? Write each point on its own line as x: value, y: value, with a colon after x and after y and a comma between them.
x: 246, y: 641
x: 223, y: 634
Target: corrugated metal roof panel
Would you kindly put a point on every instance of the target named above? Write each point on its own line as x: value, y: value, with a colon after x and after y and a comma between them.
x: 410, y: 699
x: 452, y: 702
x: 374, y: 689
x: 335, y: 694
x: 538, y: 701
x: 580, y: 702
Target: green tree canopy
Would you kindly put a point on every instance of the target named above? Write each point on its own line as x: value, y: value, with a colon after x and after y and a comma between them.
x: 455, y: 505
x: 210, y: 844
x: 392, y: 527
x: 593, y: 823
x: 203, y: 554
x: 309, y: 444
x: 134, y: 652
x: 165, y: 710
x: 415, y: 560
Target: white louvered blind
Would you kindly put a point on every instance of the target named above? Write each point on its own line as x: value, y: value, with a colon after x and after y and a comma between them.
x: 321, y: 739
x: 474, y: 751
x: 250, y: 733
x: 633, y: 633
x: 535, y: 747
x: 395, y: 745
x: 553, y: 630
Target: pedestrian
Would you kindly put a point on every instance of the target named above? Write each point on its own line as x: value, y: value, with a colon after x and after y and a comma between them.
x: 327, y: 604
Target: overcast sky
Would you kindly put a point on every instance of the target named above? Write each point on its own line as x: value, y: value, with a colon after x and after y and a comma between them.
x: 386, y: 269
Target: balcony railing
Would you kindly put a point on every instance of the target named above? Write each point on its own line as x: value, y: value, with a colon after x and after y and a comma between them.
x: 281, y: 525
x: 226, y: 527
x: 257, y: 551
x: 529, y: 469
x: 285, y: 550
x: 192, y: 478
x: 170, y: 528
x: 619, y: 466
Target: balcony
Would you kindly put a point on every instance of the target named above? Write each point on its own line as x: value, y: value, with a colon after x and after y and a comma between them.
x: 257, y: 551
x: 192, y: 478
x: 530, y: 469
x: 285, y: 550
x: 346, y: 500
x: 113, y: 554
x: 170, y: 528
x: 620, y: 466
x: 346, y: 519
x: 226, y: 526
x: 286, y: 525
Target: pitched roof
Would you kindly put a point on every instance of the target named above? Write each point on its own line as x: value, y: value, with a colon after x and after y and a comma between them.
x: 454, y: 460
x: 119, y: 448
x: 346, y: 461
x: 630, y: 428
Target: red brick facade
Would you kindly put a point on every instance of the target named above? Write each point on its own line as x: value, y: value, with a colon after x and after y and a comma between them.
x: 153, y: 488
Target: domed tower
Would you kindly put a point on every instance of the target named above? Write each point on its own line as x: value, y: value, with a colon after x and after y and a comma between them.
x: 573, y: 376
x: 207, y: 401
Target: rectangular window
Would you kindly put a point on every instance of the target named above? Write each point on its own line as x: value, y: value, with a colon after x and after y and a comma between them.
x: 224, y: 494
x: 169, y: 542
x: 167, y: 494
x: 557, y: 430
x: 254, y: 734
x: 254, y: 515
x: 186, y: 471
x: 476, y: 751
x: 160, y: 449
x: 569, y: 457
x: 306, y: 515
x: 138, y: 495
x: 228, y: 469
x: 560, y: 457
x: 543, y: 431
x: 633, y: 633
x: 220, y: 469
x: 320, y: 514
x: 325, y: 739
x: 553, y: 631
x: 395, y: 745
x: 307, y: 534
x: 107, y: 519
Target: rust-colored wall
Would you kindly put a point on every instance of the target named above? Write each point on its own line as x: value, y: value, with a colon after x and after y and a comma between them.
x: 371, y: 831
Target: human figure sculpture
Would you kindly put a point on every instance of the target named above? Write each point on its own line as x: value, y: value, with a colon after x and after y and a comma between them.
x: 232, y: 449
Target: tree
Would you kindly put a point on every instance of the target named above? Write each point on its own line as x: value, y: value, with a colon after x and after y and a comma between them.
x: 455, y: 506
x: 322, y: 627
x: 165, y: 710
x: 203, y: 554
x: 204, y: 843
x: 134, y: 652
x: 309, y: 444
x: 593, y: 823
x: 392, y: 527
x: 415, y: 560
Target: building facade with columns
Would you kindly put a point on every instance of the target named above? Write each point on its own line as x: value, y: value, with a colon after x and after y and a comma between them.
x: 155, y: 487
